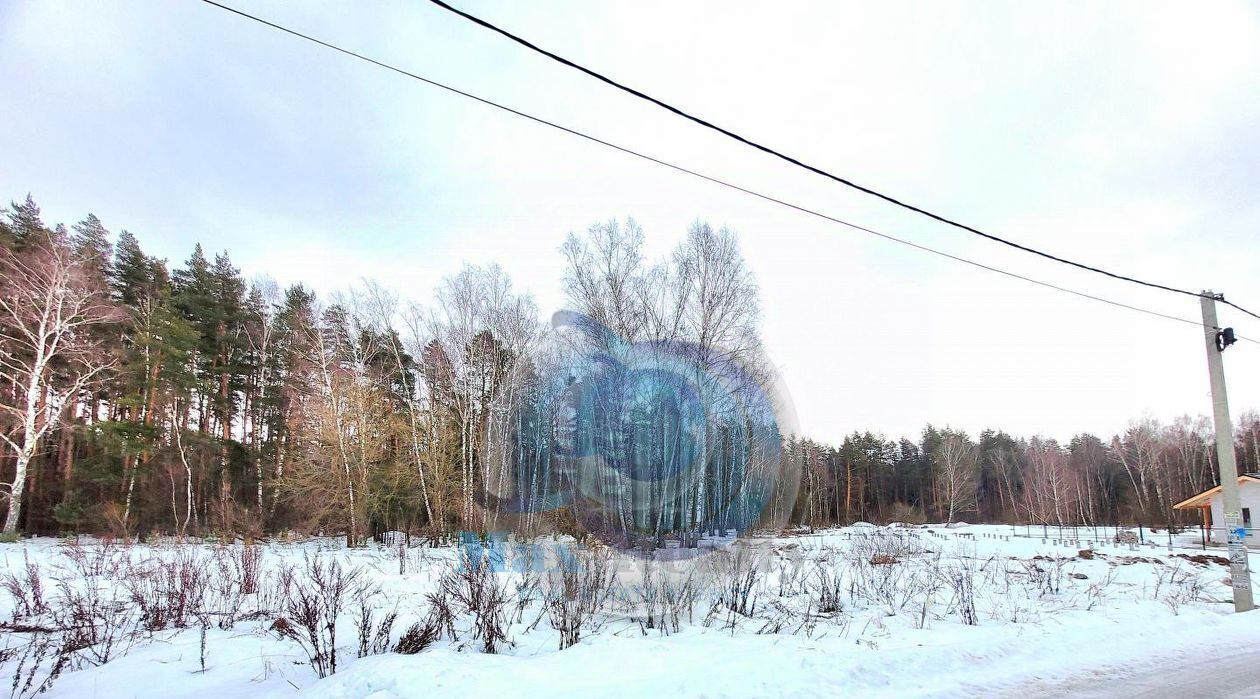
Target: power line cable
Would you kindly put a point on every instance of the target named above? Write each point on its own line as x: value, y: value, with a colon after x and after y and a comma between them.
x: 1238, y: 308
x: 700, y: 175
x: 816, y: 170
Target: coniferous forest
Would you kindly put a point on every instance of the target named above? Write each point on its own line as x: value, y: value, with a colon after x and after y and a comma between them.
x: 141, y: 396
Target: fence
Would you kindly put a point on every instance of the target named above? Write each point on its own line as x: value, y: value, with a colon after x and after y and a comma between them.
x: 1134, y: 535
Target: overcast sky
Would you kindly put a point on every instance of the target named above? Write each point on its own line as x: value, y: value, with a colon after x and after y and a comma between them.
x: 1123, y: 134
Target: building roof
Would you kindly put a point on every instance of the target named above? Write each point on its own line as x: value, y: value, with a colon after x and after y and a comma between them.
x: 1204, y: 499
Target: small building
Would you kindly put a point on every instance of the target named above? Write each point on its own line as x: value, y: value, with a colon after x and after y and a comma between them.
x: 1211, y: 504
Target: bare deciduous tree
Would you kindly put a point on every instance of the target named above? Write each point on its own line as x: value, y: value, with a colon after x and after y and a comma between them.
x: 1050, y: 484
x: 956, y: 459
x: 48, y: 305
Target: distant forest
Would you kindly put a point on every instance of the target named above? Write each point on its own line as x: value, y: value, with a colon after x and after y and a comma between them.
x: 139, y: 397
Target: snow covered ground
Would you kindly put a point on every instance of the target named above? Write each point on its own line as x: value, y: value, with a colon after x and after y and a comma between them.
x: 860, y: 611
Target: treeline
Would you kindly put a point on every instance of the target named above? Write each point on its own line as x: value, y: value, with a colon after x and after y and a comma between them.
x: 139, y: 397
x: 946, y: 475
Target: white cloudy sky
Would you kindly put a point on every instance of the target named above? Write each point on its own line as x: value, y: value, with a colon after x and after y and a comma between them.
x: 1118, y: 133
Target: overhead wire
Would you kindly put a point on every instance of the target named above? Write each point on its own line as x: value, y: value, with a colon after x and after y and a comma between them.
x: 700, y: 175
x: 812, y: 168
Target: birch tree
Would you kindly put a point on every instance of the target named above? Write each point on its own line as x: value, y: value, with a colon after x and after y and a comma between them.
x: 48, y: 354
x: 383, y: 307
x: 956, y: 459
x: 1051, y: 488
x: 481, y: 327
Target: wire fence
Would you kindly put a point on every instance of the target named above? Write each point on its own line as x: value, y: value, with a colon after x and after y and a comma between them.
x: 1133, y: 535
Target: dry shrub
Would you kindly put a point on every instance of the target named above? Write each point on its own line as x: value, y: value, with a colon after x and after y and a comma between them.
x: 576, y: 592
x: 230, y: 517
x: 1182, y: 586
x: 473, y: 585
x: 105, y: 559
x: 313, y: 608
x: 1046, y: 574
x: 736, y: 576
x: 905, y: 512
x: 39, y: 661
x: 374, y: 633
x: 27, y: 590
x: 97, y: 624
x: 960, y: 578
x: 421, y: 635
x: 169, y: 593
x: 660, y: 600
x: 416, y: 638
x: 112, y: 513
x: 825, y: 588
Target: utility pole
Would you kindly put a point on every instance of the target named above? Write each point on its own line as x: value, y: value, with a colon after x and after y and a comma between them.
x: 1236, y: 534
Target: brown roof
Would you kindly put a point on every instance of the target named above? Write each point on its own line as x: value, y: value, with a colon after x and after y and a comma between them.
x: 1204, y: 499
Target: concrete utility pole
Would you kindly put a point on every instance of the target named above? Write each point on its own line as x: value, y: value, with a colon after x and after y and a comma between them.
x: 1239, y: 572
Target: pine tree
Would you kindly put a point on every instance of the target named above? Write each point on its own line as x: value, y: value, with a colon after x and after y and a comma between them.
x: 294, y: 324
x: 227, y: 291
x: 132, y: 273
x: 24, y: 226
x: 193, y: 298
x: 91, y: 243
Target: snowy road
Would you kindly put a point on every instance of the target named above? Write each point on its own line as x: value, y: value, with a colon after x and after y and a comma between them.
x: 1233, y: 674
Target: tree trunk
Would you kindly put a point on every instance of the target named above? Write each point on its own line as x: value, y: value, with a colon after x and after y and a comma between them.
x: 15, y: 494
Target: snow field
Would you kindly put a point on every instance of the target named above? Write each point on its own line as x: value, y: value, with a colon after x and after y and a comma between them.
x: 859, y: 611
